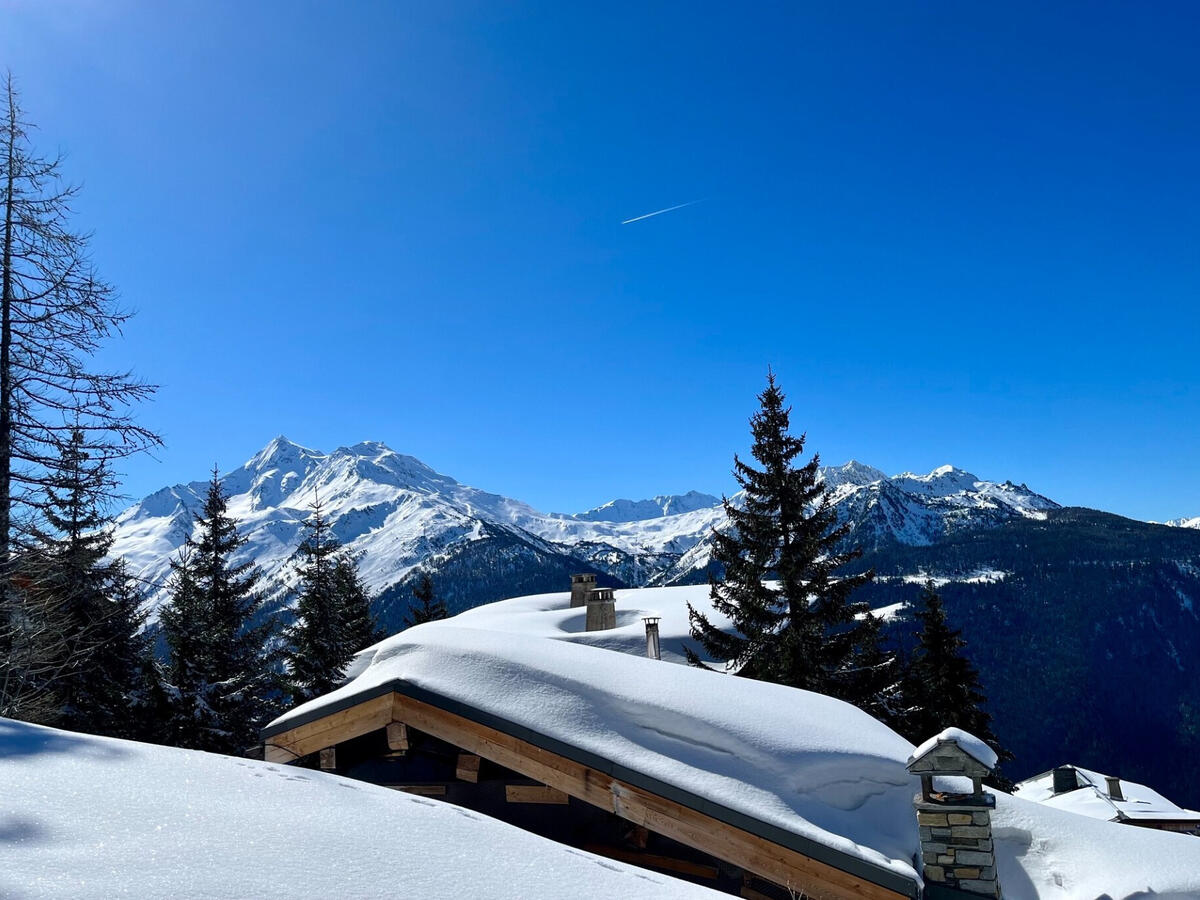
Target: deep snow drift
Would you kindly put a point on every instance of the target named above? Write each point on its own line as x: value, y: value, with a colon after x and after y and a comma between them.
x: 89, y: 817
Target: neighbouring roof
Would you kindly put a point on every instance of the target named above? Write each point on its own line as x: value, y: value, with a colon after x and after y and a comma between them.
x: 1091, y: 798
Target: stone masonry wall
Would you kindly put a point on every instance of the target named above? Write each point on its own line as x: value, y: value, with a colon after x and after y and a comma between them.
x: 956, y: 846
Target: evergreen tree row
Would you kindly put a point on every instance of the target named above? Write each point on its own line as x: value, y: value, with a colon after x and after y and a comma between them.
x: 83, y: 659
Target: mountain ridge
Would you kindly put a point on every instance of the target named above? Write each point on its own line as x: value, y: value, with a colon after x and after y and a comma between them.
x: 399, y: 514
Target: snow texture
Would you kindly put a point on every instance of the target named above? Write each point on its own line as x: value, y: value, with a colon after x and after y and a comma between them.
x: 808, y: 763
x: 965, y: 741
x: 89, y: 817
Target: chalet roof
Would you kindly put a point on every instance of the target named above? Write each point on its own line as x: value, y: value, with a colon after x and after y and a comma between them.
x: 807, y: 772
x: 802, y: 770
x: 1091, y: 798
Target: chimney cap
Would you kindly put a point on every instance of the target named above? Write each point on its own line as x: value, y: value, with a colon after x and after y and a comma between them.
x: 651, y: 620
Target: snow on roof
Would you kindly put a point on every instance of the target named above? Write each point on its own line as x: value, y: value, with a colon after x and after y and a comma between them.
x: 810, y: 764
x: 968, y: 743
x: 1092, y: 799
x: 90, y: 817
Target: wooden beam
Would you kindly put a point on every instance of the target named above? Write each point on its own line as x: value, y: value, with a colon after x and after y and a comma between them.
x: 770, y: 861
x: 329, y: 759
x: 533, y: 793
x: 368, y: 716
x: 397, y: 736
x: 467, y: 768
x: 654, y: 861
x: 424, y: 790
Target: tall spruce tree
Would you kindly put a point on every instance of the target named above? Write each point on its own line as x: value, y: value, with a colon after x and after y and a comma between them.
x: 426, y: 606
x: 942, y: 687
x: 333, y: 614
x: 222, y: 679
x: 794, y: 622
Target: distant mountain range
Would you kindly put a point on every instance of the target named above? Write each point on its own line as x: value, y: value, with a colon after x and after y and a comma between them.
x: 400, y: 514
x: 1085, y: 625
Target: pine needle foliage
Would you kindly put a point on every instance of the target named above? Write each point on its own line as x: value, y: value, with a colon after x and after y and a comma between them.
x: 426, y: 606
x: 221, y: 675
x: 793, y: 619
x: 333, y: 613
x: 942, y: 686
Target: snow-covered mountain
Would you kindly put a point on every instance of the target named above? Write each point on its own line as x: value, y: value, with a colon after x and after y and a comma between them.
x: 1184, y: 523
x: 400, y: 514
x: 639, y: 510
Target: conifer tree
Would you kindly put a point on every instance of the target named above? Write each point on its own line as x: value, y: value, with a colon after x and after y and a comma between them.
x: 427, y: 606
x: 55, y: 313
x: 105, y: 658
x: 81, y: 659
x: 794, y: 622
x: 333, y: 617
x: 222, y: 680
x: 942, y: 686
x: 358, y: 618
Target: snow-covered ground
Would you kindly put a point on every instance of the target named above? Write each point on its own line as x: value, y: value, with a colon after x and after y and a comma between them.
x: 807, y: 763
x: 88, y: 817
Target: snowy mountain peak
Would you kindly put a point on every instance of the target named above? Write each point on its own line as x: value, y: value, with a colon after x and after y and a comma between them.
x: 280, y: 453
x: 1184, y: 523
x: 851, y: 473
x: 658, y: 507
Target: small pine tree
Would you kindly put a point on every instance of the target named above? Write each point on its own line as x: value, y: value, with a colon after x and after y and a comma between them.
x: 801, y: 631
x: 104, y: 659
x: 942, y: 688
x: 333, y: 614
x: 427, y: 606
x: 222, y: 681
x: 875, y: 680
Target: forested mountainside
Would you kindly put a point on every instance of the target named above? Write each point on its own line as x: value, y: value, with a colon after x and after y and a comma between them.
x: 1086, y: 629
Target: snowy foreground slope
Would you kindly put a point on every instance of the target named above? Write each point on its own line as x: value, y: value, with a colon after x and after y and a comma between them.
x: 400, y: 513
x: 807, y: 763
x: 88, y: 817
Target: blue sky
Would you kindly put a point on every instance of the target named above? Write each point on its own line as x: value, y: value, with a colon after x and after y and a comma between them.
x: 960, y: 233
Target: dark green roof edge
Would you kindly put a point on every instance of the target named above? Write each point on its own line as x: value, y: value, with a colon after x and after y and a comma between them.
x: 852, y: 865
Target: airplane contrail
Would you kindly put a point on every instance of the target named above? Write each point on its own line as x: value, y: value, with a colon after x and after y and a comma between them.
x: 659, y: 212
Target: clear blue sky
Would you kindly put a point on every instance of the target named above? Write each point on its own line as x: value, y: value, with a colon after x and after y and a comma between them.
x: 960, y: 233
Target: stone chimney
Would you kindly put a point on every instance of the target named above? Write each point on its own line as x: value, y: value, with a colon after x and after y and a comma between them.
x: 580, y: 586
x: 1064, y: 780
x: 957, y: 857
x: 653, y: 650
x: 1114, y: 788
x: 601, y: 609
